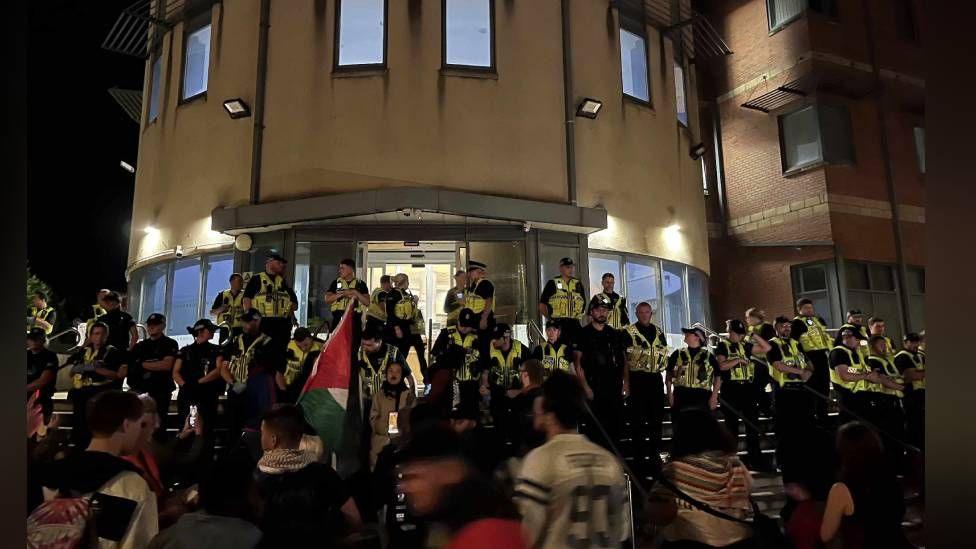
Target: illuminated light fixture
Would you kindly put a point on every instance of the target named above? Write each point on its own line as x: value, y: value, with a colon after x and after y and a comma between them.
x: 151, y: 230
x: 589, y: 108
x: 697, y: 151
x: 127, y: 167
x: 672, y: 236
x: 237, y: 108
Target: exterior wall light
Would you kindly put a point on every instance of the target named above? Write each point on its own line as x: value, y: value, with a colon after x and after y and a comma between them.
x: 697, y: 151
x: 127, y: 167
x: 589, y: 108
x: 237, y: 108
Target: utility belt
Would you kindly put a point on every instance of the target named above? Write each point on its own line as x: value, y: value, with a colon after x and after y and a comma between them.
x: 79, y: 381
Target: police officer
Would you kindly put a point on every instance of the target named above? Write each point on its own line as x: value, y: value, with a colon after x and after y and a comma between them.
x: 847, y: 370
x: 122, y: 333
x: 199, y: 373
x: 248, y: 360
x: 151, y: 367
x: 480, y: 297
x: 734, y: 356
x: 227, y: 308
x: 42, y: 315
x: 553, y: 353
x: 96, y: 310
x: 95, y: 368
x: 563, y: 299
x: 376, y: 313
x: 42, y: 371
x: 618, y: 318
x: 601, y: 367
x: 454, y: 299
x: 794, y: 418
x: 855, y: 322
x: 647, y: 349
x: 693, y: 376
x: 885, y: 402
x: 506, y: 354
x: 300, y: 357
x: 756, y: 324
x: 344, y: 288
x: 465, y: 337
x: 877, y: 327
x: 811, y: 332
x: 407, y: 321
x: 275, y: 302
x: 372, y: 358
x: 910, y: 361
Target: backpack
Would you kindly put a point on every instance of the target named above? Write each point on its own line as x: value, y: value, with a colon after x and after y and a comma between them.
x: 62, y: 523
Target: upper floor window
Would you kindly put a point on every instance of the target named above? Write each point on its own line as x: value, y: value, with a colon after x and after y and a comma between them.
x: 781, y: 12
x: 633, y: 65
x: 469, y: 34
x: 196, y: 61
x: 816, y: 134
x: 680, y: 99
x: 361, y: 32
x: 154, y: 86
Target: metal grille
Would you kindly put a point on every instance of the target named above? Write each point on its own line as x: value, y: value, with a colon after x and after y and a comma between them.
x: 140, y: 26
x: 783, y: 95
x: 129, y: 100
x: 691, y: 31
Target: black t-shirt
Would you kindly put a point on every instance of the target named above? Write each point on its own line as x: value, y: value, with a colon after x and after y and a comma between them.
x: 149, y: 350
x: 119, y: 323
x: 904, y: 362
x: 838, y: 357
x: 693, y: 352
x: 482, y: 288
x: 775, y: 354
x: 302, y: 505
x: 602, y: 358
x: 722, y: 349
x: 198, y: 360
x: 107, y: 357
x: 40, y: 362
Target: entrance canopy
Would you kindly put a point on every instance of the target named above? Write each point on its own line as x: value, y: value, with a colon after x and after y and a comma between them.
x: 408, y: 205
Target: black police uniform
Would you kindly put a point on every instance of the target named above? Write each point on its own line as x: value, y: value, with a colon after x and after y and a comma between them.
x: 602, y: 359
x: 39, y: 362
x: 847, y: 397
x: 914, y: 401
x: 809, y: 332
x: 119, y: 325
x: 198, y: 360
x: 86, y: 383
x: 159, y: 385
x: 738, y: 390
x: 763, y: 379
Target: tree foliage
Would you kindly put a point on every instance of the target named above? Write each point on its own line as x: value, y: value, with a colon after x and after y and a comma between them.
x: 35, y: 284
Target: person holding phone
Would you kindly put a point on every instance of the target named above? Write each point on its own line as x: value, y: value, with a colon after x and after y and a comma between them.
x: 389, y: 402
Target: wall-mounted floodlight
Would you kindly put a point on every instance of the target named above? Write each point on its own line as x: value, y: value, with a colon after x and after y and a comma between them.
x: 237, y: 108
x: 589, y: 108
x: 127, y: 167
x: 697, y: 151
x: 150, y: 230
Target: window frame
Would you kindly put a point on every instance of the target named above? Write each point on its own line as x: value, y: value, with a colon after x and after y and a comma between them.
x: 633, y: 29
x: 492, y: 67
x: 787, y: 170
x: 832, y: 292
x: 919, y: 144
x: 156, y: 57
x: 191, y: 26
x: 339, y: 68
x: 773, y: 29
x: 678, y: 63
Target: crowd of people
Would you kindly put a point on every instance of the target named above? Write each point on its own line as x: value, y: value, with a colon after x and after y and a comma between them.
x: 491, y: 443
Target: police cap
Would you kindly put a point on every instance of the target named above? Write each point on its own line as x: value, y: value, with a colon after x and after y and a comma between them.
x: 783, y: 320
x: 566, y: 261
x: 156, y: 318
x: 468, y: 318
x: 551, y: 323
x: 844, y: 332
x: 697, y: 331
x: 501, y: 330
x: 477, y: 265
x: 599, y: 301
x: 202, y: 324
x: 913, y: 337
x: 736, y: 325
x: 275, y: 256
x: 854, y: 312
x: 251, y: 314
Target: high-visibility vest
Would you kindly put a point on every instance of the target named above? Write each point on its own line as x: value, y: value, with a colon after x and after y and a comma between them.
x: 503, y: 371
x: 740, y: 372
x: 792, y: 357
x: 235, y: 308
x: 42, y: 314
x: 474, y: 301
x: 616, y: 314
x: 377, y: 307
x: 889, y: 369
x: 757, y: 330
x: 567, y: 302
x: 86, y: 379
x: 468, y: 342
x: 643, y: 355
x: 693, y: 373
x: 918, y: 360
x: 554, y: 357
x: 372, y: 378
x: 815, y: 338
x: 339, y: 305
x: 296, y: 359
x: 97, y: 311
x: 889, y: 351
x: 862, y: 341
x: 857, y: 366
x: 240, y: 365
x: 453, y: 303
x: 272, y: 299
x: 405, y: 308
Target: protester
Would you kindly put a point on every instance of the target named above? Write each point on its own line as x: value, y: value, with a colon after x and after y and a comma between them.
x: 394, y: 395
x: 197, y: 371
x: 151, y: 366
x: 95, y: 368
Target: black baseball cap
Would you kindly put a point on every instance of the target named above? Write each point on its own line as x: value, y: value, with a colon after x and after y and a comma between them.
x: 599, y: 301
x: 468, y: 318
x: 501, y: 330
x: 477, y: 265
x: 553, y: 324
x: 114, y: 297
x: 203, y: 323
x: 697, y: 331
x: 566, y: 261
x: 913, y: 337
x: 783, y: 320
x: 853, y: 312
x: 844, y: 332
x: 736, y: 325
x: 251, y: 314
x: 156, y: 318
x: 275, y: 256
x: 301, y: 334
x: 37, y: 334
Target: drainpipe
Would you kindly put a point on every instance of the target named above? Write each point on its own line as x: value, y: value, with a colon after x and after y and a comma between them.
x: 257, y: 139
x: 719, y: 166
x: 886, y: 156
x: 569, y: 99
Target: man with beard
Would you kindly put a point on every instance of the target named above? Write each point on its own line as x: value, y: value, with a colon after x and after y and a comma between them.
x: 599, y: 359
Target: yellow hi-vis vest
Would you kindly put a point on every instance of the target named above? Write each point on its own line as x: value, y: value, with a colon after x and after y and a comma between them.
x: 750, y: 330
x: 918, y: 361
x: 740, y: 372
x: 42, y: 314
x: 240, y: 365
x: 296, y: 358
x: 503, y: 372
x: 616, y: 314
x: 815, y: 338
x: 567, y: 302
x: 377, y: 308
x: 272, y: 299
x: 889, y: 351
x: 372, y: 379
x: 857, y: 366
x: 91, y: 357
x: 235, y: 308
x: 474, y: 301
x: 469, y: 343
x: 693, y: 373
x: 862, y: 342
x: 554, y: 358
x: 643, y: 355
x: 97, y: 311
x: 405, y: 309
x: 339, y: 305
x: 889, y: 369
x: 792, y: 357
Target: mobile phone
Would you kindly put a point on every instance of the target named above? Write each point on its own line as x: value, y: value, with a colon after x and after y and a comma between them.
x: 193, y: 415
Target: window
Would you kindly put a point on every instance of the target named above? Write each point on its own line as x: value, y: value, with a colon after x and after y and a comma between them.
x: 698, y: 296
x: 154, y: 85
x: 680, y: 100
x: 782, y: 12
x: 218, y: 270
x: 816, y: 282
x: 185, y: 297
x: 154, y: 290
x: 196, y: 62
x: 920, y: 148
x: 361, y: 33
x: 601, y: 264
x: 675, y: 301
x: 816, y: 134
x: 874, y: 291
x: 642, y: 280
x: 135, y: 295
x: 468, y: 34
x: 633, y: 66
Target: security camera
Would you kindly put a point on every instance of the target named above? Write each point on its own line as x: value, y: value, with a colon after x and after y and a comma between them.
x: 526, y: 226
x: 179, y: 251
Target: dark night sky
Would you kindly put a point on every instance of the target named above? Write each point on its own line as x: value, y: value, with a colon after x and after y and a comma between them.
x: 80, y: 199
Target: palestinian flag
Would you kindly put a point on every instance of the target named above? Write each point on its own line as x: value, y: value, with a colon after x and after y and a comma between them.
x: 330, y: 398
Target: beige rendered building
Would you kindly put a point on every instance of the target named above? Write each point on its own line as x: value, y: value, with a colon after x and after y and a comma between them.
x: 414, y: 135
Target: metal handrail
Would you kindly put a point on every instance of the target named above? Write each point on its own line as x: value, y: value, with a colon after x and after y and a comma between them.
x: 532, y: 323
